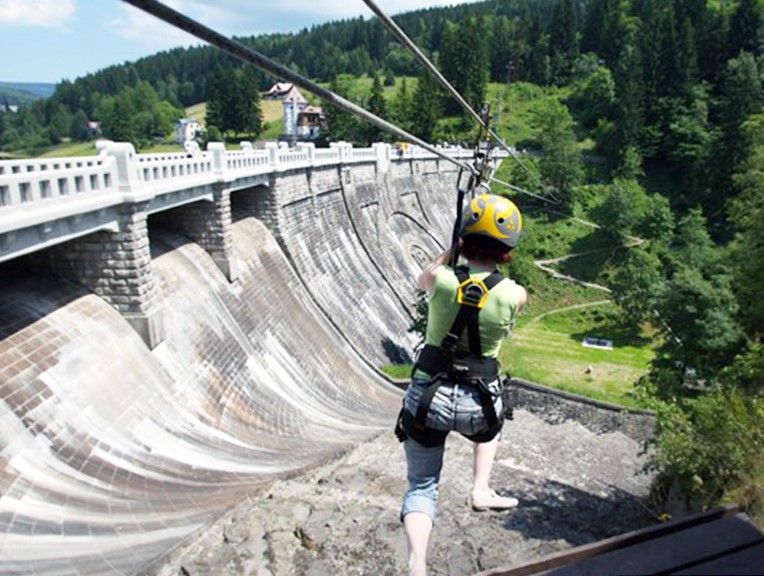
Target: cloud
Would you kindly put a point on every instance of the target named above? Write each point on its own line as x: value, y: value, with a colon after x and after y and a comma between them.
x: 148, y: 31
x: 245, y: 17
x: 38, y: 13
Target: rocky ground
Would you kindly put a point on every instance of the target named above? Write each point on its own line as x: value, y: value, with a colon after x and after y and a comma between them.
x: 574, y: 487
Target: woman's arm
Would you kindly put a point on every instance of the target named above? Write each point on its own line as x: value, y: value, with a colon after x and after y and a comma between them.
x: 522, y: 298
x: 426, y: 279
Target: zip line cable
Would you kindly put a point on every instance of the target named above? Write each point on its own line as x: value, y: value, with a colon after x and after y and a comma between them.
x: 518, y: 189
x: 432, y: 69
x: 247, y: 54
x: 390, y: 23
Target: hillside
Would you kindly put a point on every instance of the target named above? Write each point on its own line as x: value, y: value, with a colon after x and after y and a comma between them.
x: 18, y: 93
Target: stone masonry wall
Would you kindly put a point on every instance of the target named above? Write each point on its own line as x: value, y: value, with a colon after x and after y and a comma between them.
x: 115, y: 266
x: 556, y: 406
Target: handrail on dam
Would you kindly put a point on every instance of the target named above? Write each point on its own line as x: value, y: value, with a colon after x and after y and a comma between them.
x: 47, y: 201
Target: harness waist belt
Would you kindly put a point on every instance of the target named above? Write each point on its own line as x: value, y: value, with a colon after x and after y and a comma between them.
x: 433, y: 361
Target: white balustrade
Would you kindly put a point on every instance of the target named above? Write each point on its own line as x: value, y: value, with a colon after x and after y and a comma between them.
x: 156, y: 167
x: 117, y: 174
x: 25, y: 184
x: 364, y: 154
x: 327, y: 155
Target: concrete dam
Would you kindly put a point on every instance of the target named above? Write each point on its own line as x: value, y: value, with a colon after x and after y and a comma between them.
x: 114, y: 451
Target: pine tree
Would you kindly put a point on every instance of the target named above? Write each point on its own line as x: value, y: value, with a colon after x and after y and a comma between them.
x: 452, y: 64
x: 742, y: 95
x: 78, y: 127
x: 341, y: 125
x: 687, y: 59
x: 563, y: 41
x: 592, y: 36
x: 746, y: 215
x: 745, y: 32
x: 560, y: 164
x: 475, y: 47
x: 426, y: 106
x: 217, y: 101
x: 378, y: 107
x: 248, y: 118
x: 538, y: 62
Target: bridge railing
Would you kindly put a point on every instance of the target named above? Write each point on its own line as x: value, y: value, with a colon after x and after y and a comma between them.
x: 46, y: 188
x: 155, y: 167
x: 25, y: 182
x: 35, y: 191
x: 247, y: 159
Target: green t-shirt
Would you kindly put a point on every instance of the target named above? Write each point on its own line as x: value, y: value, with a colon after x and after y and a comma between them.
x: 496, y: 319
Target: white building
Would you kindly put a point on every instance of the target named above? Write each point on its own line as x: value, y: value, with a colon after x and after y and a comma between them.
x: 301, y: 121
x: 187, y: 129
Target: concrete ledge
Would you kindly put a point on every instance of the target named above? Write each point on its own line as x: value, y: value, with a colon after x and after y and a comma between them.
x: 556, y: 406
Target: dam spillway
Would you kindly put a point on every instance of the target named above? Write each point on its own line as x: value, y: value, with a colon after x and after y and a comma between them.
x: 113, y: 452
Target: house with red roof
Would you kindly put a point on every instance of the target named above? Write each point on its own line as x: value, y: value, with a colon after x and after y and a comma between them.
x: 301, y: 121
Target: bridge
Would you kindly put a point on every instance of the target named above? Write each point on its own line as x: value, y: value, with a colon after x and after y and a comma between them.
x: 94, y: 210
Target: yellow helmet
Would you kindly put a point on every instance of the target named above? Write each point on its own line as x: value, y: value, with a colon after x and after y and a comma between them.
x: 492, y: 216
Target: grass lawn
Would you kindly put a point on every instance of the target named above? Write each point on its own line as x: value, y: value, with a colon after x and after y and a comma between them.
x: 548, y: 350
x: 70, y: 149
x: 198, y: 112
x: 512, y: 106
x: 273, y: 119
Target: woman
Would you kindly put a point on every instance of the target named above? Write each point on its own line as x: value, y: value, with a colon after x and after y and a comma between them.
x: 455, y: 383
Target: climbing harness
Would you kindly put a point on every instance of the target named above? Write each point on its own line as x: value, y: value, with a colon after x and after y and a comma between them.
x: 497, y: 218
x: 445, y: 363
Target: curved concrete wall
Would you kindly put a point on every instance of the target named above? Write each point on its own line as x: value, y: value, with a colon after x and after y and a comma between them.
x: 112, y: 453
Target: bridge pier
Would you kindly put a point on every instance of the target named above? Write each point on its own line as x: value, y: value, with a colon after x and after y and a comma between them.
x: 207, y: 224
x: 116, y: 266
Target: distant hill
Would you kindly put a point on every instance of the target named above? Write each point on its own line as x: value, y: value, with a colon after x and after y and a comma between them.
x: 18, y: 93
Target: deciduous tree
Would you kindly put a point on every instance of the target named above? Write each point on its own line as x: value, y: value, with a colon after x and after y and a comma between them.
x: 560, y: 164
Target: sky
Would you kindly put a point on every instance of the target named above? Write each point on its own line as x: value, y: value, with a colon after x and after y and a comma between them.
x: 53, y: 40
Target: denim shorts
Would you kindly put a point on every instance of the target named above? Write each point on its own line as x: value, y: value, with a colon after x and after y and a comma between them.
x: 455, y: 407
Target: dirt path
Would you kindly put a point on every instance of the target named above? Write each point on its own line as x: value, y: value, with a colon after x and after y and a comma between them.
x: 547, y: 266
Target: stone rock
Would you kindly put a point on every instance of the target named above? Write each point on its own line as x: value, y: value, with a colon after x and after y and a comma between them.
x: 574, y: 486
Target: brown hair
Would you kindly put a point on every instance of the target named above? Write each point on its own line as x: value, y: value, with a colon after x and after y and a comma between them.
x: 483, y: 248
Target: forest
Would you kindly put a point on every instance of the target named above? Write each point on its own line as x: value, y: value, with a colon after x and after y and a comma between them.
x: 667, y: 91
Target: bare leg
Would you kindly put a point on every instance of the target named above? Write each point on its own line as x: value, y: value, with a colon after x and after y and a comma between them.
x: 483, y: 498
x: 418, y: 529
x: 482, y: 463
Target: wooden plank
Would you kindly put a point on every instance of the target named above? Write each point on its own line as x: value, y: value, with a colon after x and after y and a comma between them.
x: 670, y: 552
x: 746, y: 562
x: 580, y: 553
